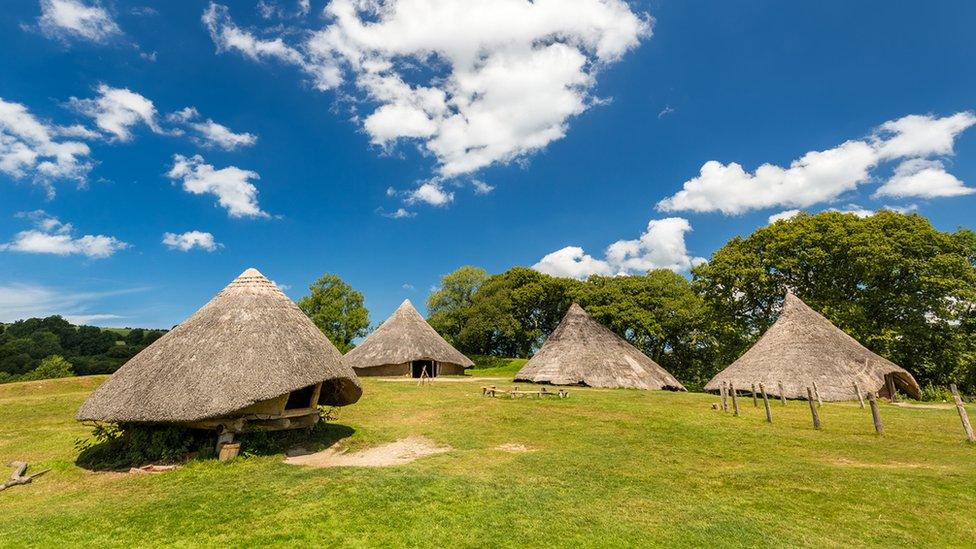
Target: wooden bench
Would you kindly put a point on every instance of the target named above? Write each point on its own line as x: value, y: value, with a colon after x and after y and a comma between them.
x: 515, y: 392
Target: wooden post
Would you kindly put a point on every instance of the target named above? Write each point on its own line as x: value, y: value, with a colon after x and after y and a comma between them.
x: 769, y: 413
x: 755, y: 403
x: 725, y: 402
x: 782, y: 394
x: 813, y: 409
x: 860, y: 399
x: 816, y: 391
x: 892, y: 392
x: 735, y: 401
x: 875, y: 414
x: 963, y: 416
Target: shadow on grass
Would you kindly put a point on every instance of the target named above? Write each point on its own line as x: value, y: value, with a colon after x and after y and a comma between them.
x: 119, y: 448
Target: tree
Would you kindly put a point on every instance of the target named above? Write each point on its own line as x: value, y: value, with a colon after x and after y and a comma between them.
x: 135, y: 335
x: 337, y: 309
x: 902, y: 288
x: 447, y: 305
x: 54, y: 366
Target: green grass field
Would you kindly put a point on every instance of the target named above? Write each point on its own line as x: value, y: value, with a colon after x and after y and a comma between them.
x: 608, y: 468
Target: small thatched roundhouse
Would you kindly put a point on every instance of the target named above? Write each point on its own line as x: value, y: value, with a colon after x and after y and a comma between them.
x: 250, y: 358
x: 405, y: 345
x: 803, y: 347
x: 581, y: 351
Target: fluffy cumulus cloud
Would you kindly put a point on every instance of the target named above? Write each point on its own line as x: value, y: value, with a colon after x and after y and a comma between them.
x: 63, y: 19
x: 661, y: 246
x: 51, y: 236
x: 116, y: 111
x: 823, y: 176
x: 500, y: 78
x: 231, y: 185
x: 208, y: 133
x: 189, y: 240
x: 430, y: 193
x: 33, y: 149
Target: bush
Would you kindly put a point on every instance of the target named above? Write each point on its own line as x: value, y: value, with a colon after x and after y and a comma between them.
x: 52, y: 367
x: 113, y: 446
x: 935, y: 393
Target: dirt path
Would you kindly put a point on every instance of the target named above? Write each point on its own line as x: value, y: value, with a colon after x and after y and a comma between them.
x: 395, y: 453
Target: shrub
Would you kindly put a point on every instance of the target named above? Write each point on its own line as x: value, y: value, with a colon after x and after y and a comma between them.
x: 936, y: 393
x: 52, y: 367
x: 114, y: 446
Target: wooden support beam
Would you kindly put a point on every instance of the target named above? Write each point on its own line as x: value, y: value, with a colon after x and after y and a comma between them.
x: 813, y: 409
x: 876, y: 414
x: 892, y: 391
x: 769, y: 412
x: 963, y: 416
x: 860, y: 398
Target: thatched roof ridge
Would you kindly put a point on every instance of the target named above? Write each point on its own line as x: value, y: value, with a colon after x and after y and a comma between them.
x: 249, y: 343
x: 404, y: 337
x: 803, y: 347
x: 581, y: 351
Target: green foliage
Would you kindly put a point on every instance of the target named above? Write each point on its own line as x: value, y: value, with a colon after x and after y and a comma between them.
x: 112, y: 446
x: 52, y: 367
x: 934, y: 393
x: 447, y: 304
x: 337, y: 309
x: 893, y: 282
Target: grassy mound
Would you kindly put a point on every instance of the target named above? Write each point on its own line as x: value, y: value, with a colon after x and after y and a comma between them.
x: 602, y: 468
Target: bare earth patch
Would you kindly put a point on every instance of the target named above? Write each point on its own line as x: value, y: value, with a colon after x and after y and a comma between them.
x: 843, y: 462
x: 514, y: 448
x: 395, y: 453
x: 457, y: 379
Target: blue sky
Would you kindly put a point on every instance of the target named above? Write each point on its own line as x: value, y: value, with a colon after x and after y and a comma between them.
x: 504, y: 133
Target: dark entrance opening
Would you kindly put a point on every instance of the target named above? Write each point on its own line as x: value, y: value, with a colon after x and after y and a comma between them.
x: 301, y: 398
x: 417, y: 368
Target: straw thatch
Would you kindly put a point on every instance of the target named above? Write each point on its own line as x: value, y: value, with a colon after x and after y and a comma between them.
x: 405, y: 337
x: 581, y: 351
x: 803, y: 347
x: 250, y: 343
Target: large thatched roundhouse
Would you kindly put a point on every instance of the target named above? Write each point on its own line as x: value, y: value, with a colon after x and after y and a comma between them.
x: 581, y: 351
x: 249, y: 359
x: 405, y: 345
x: 803, y: 347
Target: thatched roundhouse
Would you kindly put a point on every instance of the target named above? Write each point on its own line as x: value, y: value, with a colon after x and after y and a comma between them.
x: 581, y: 351
x: 405, y: 345
x: 803, y: 347
x: 249, y: 359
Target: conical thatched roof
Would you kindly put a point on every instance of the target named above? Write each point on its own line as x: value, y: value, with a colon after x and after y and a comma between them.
x: 404, y: 337
x: 581, y: 351
x: 803, y: 347
x: 250, y: 343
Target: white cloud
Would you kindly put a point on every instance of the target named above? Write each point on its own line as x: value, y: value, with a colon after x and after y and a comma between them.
x: 854, y: 209
x: 185, y: 242
x: 50, y: 236
x: 304, y: 6
x: 282, y: 287
x: 784, y: 215
x: 29, y: 148
x: 665, y: 111
x: 924, y: 179
x: 407, y: 286
x: 210, y: 133
x: 430, y: 193
x: 661, y: 246
x: 400, y: 213
x: 117, y: 110
x: 824, y: 176
x: 504, y: 78
x: 480, y: 187
x: 19, y: 301
x: 72, y: 18
x: 231, y: 185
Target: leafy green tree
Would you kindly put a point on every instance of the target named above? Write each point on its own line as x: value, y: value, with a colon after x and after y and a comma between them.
x: 135, y: 335
x: 447, y: 305
x: 902, y: 288
x: 54, y: 366
x: 337, y: 309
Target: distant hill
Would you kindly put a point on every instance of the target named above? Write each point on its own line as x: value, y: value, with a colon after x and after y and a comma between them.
x: 90, y: 350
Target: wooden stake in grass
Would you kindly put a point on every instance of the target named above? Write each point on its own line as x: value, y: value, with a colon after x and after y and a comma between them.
x: 782, y: 394
x: 857, y: 390
x: 725, y: 402
x: 892, y: 391
x: 876, y: 414
x: 769, y: 413
x: 735, y: 401
x: 816, y: 391
x: 813, y: 409
x: 755, y: 404
x: 963, y: 416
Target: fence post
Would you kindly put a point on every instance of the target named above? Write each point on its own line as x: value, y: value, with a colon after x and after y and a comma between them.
x: 816, y: 392
x: 782, y: 394
x: 813, y: 409
x: 876, y: 414
x: 769, y: 413
x: 860, y: 399
x: 755, y: 403
x: 735, y: 401
x: 963, y: 416
x: 725, y: 402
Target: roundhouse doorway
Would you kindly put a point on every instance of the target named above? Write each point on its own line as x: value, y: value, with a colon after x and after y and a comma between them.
x: 418, y: 367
